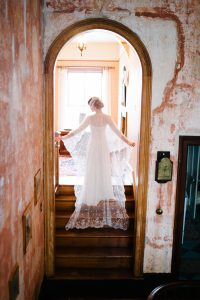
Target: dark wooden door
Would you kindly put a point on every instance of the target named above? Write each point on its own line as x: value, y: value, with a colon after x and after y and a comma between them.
x: 186, y: 250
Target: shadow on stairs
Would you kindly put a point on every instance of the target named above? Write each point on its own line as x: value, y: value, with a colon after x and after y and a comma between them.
x: 134, y: 289
x: 98, y: 289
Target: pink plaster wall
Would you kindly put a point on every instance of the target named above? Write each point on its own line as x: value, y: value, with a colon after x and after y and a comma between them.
x: 21, y: 144
x: 170, y: 30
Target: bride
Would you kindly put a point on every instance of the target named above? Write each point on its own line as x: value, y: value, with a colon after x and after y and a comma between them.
x: 101, y: 156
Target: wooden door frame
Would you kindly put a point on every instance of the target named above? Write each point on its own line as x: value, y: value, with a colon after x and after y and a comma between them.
x: 184, y: 142
x: 49, y: 197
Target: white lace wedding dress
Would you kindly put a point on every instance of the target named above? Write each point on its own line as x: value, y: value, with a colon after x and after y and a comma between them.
x: 101, y: 157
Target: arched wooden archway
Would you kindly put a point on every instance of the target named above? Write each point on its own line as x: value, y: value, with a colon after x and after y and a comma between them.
x: 134, y: 40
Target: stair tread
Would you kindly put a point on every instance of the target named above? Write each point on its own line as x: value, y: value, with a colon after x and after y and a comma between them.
x: 94, y: 252
x: 93, y: 232
x: 66, y: 214
x: 69, y: 189
x: 64, y: 197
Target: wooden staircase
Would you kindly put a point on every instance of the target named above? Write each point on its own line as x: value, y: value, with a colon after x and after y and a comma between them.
x: 91, y: 253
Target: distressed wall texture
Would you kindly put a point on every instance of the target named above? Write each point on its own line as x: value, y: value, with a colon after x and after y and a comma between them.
x: 21, y: 144
x: 170, y: 30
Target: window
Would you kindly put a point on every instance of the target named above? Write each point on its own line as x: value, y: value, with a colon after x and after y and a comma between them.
x: 75, y: 86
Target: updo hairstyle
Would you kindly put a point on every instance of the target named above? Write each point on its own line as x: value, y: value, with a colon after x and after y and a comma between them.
x: 95, y: 102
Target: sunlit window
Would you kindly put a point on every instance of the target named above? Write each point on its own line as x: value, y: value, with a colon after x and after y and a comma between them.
x: 77, y: 85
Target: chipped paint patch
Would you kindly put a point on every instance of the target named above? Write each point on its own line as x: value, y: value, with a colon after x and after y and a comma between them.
x: 25, y: 43
x: 20, y: 207
x: 1, y: 218
x: 15, y: 94
x: 13, y: 49
x: 172, y: 128
x: 2, y: 191
x: 166, y: 14
x: 34, y: 50
x: 24, y: 68
x: 1, y: 182
x: 159, y: 242
x: 88, y: 7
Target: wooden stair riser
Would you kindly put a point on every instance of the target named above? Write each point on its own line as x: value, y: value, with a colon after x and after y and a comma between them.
x: 66, y: 190
x: 69, y: 205
x: 66, y: 206
x: 93, y: 262
x: 94, y: 242
x: 94, y: 274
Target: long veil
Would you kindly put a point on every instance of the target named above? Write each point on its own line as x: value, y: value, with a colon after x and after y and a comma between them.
x: 107, y: 211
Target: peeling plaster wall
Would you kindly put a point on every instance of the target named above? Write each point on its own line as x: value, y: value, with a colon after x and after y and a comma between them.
x: 21, y: 144
x: 170, y: 30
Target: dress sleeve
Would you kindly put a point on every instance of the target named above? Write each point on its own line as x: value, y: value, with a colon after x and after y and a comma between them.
x: 114, y: 127
x: 84, y: 124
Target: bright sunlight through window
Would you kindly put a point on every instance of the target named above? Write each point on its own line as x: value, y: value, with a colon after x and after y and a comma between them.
x: 77, y: 85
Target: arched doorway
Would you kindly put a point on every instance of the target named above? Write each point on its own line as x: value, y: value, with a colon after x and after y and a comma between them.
x: 133, y: 39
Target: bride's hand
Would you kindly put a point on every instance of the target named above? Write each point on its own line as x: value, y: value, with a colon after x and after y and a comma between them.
x: 132, y: 144
x: 58, y: 138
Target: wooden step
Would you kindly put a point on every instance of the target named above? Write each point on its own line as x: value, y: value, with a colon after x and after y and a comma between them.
x: 69, y: 190
x: 128, y: 190
x: 61, y: 218
x: 64, y: 197
x: 92, y: 237
x: 94, y: 274
x: 67, y: 203
x: 65, y: 189
x: 93, y: 258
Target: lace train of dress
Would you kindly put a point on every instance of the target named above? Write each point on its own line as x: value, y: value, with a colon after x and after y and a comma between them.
x: 102, y: 158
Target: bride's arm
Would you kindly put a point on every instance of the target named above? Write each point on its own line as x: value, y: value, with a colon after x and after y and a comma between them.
x: 118, y: 132
x: 82, y: 126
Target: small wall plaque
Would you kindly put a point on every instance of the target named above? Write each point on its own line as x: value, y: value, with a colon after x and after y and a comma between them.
x: 164, y: 167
